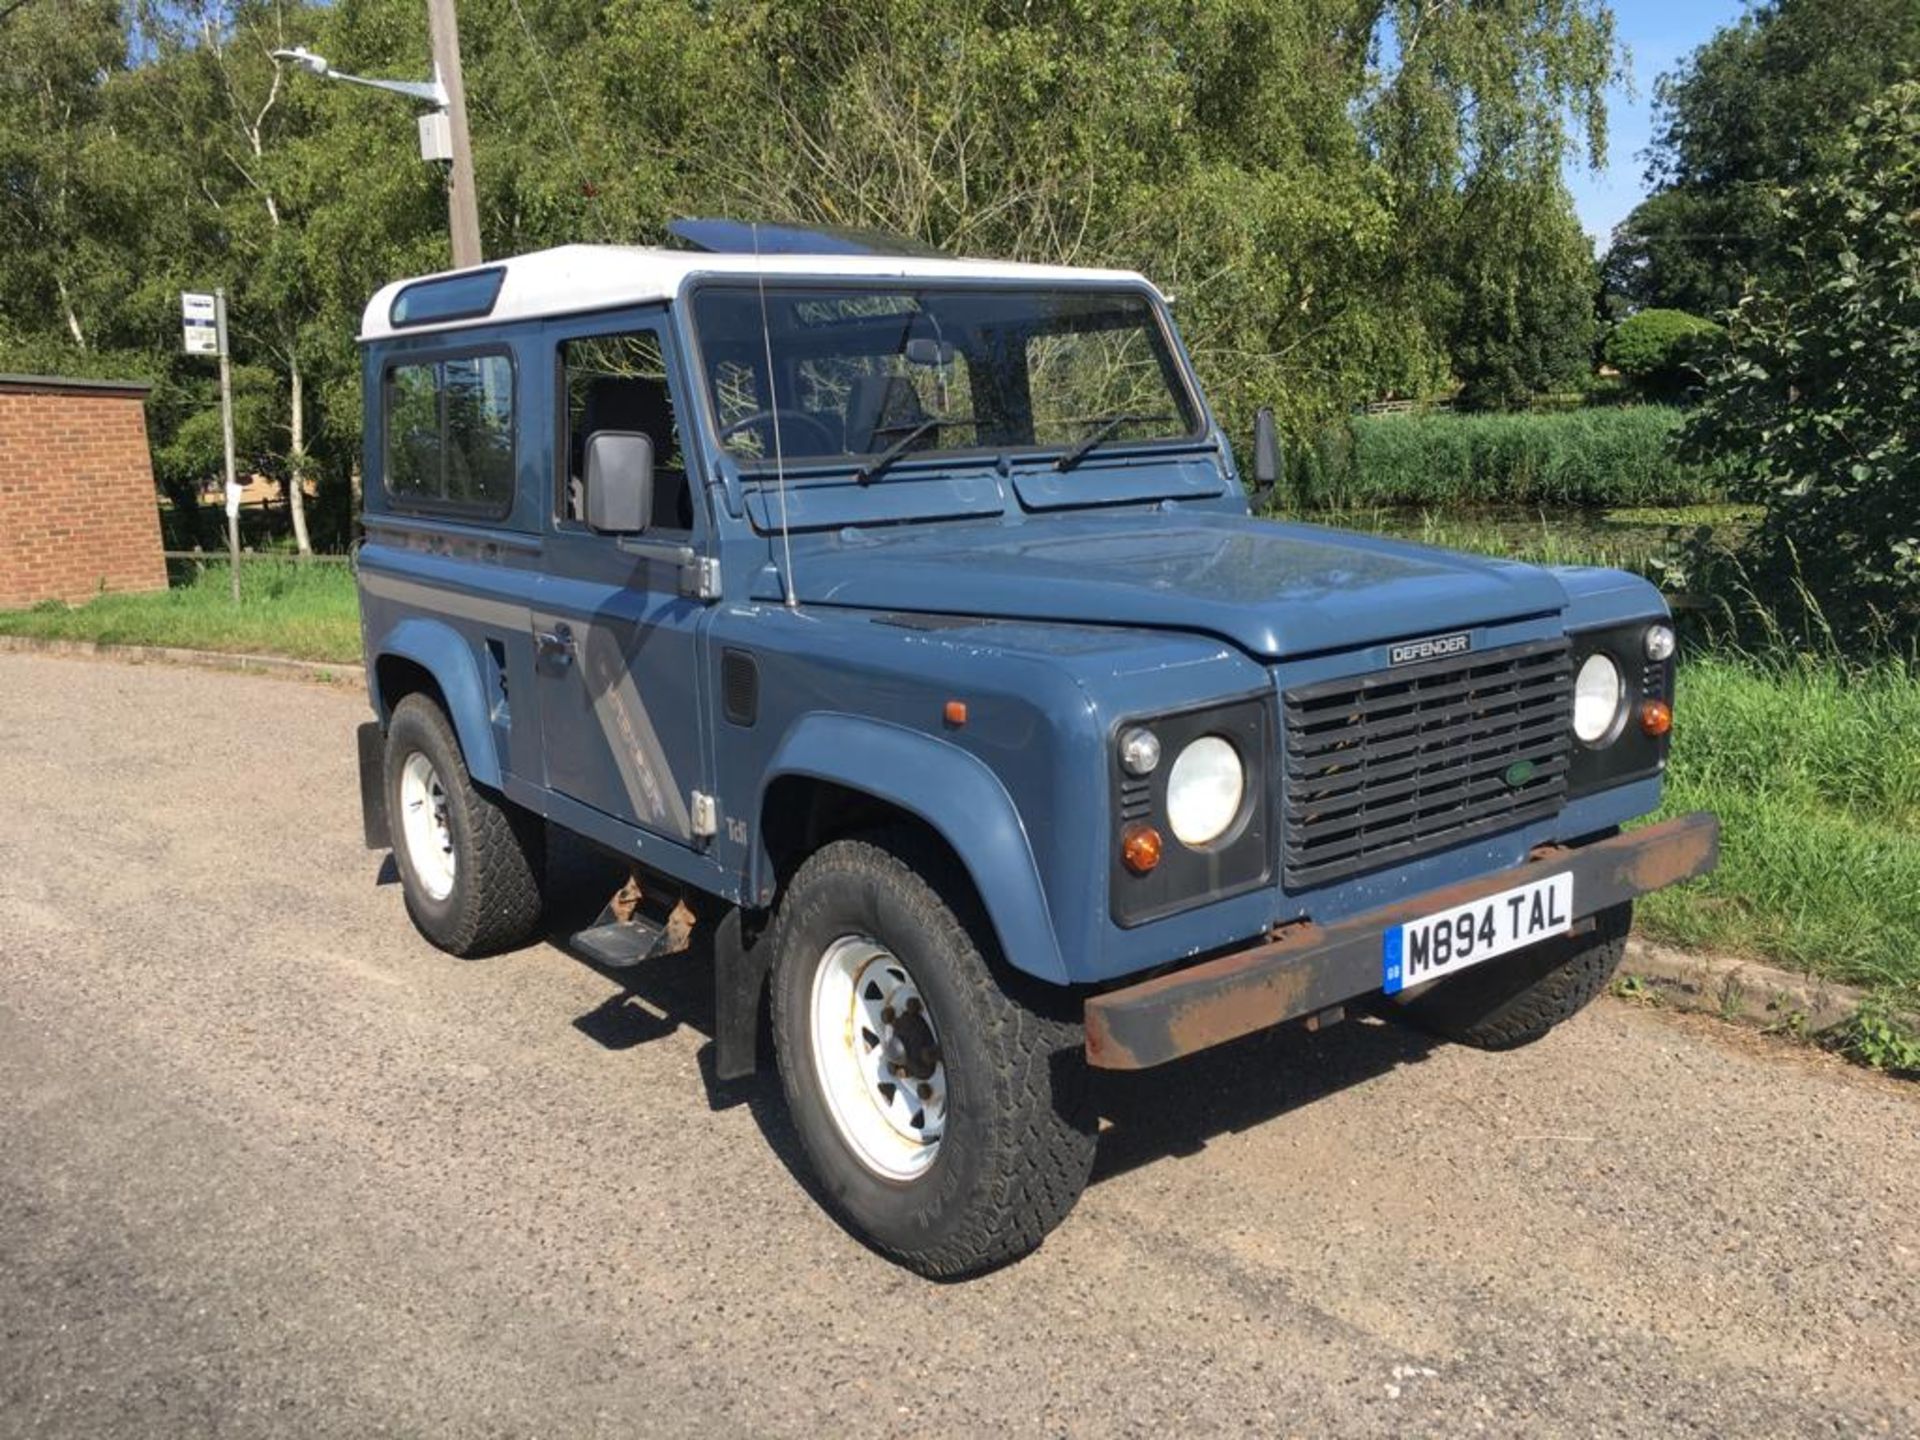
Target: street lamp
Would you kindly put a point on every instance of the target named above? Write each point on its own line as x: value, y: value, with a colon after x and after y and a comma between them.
x: 443, y: 130
x: 431, y: 91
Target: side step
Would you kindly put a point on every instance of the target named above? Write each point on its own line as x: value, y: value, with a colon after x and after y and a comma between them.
x: 620, y: 944
x: 631, y: 928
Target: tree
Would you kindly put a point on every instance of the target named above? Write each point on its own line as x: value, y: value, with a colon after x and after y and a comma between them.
x: 69, y: 189
x: 1522, y: 270
x: 1762, y: 106
x: 1687, y: 251
x: 1814, y: 408
x: 1665, y: 353
x: 1332, y: 188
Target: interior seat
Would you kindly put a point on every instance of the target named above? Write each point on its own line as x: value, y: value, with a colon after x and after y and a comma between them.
x: 628, y: 402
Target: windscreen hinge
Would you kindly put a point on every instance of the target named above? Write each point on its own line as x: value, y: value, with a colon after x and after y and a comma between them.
x: 700, y: 577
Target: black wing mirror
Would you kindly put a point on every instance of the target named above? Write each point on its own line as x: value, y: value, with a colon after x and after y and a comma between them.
x: 619, y: 467
x: 1267, y: 467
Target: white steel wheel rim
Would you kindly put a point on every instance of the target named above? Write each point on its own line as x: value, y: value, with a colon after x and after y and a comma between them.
x: 425, y: 827
x: 877, y: 1058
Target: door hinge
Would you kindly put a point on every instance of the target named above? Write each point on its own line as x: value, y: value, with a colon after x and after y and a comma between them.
x: 700, y: 578
x: 706, y: 816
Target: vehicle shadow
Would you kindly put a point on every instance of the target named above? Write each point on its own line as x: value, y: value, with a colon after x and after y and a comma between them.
x: 1168, y: 1112
x: 1171, y: 1111
x: 1175, y: 1109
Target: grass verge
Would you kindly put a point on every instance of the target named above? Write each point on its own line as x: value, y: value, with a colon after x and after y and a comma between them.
x: 308, y: 612
x: 1814, y: 770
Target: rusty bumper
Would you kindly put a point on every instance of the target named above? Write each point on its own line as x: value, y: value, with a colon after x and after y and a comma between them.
x: 1307, y: 968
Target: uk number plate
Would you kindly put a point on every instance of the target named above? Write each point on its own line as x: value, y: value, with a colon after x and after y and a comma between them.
x: 1453, y: 940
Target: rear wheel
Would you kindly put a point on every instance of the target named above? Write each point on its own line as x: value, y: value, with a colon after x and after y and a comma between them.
x: 940, y: 1100
x: 1518, y: 998
x: 470, y: 861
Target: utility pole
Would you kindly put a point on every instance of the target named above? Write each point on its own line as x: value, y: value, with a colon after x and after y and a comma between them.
x: 463, y: 212
x: 443, y: 131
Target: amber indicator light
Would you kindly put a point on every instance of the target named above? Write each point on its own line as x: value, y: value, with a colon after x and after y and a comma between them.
x: 956, y: 713
x: 1656, y: 717
x: 1140, y: 848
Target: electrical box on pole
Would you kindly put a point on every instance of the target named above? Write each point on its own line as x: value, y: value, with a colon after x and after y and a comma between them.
x: 436, y: 136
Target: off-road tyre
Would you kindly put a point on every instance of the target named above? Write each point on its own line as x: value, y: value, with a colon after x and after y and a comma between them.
x: 1019, y: 1137
x: 499, y: 849
x: 1513, y: 1001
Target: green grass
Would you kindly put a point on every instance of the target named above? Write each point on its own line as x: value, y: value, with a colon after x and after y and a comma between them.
x: 309, y: 612
x: 1607, y: 455
x: 1814, y: 770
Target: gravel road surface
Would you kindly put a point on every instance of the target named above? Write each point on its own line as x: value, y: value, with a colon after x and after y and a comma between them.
x: 270, y: 1165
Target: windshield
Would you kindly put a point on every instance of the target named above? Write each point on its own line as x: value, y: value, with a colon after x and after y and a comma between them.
x: 898, y: 371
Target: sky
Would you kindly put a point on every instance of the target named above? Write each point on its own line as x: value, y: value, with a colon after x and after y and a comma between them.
x: 1659, y: 34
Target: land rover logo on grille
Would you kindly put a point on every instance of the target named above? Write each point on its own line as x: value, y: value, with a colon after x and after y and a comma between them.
x: 1518, y: 773
x: 1434, y: 647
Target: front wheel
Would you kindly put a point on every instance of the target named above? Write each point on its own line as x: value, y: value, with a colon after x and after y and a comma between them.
x: 470, y: 861
x: 1518, y: 998
x: 941, y: 1101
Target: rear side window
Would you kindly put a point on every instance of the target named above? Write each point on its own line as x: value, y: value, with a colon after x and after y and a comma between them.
x: 450, y: 434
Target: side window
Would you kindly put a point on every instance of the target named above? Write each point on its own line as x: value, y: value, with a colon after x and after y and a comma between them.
x: 619, y: 382
x: 450, y: 434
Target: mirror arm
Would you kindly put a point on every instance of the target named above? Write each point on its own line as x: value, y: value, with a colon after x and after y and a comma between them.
x: 699, y: 574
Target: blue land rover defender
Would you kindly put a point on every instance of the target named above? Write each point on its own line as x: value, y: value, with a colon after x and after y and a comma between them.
x: 901, y: 622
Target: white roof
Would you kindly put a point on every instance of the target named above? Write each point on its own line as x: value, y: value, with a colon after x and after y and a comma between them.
x: 575, y: 278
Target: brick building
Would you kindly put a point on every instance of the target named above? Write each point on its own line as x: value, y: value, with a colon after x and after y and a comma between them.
x: 77, y: 507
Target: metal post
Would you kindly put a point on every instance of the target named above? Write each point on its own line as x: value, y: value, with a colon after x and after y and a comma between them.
x: 463, y: 212
x: 231, y: 493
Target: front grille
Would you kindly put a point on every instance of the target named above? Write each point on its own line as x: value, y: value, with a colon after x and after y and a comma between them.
x: 1385, y: 767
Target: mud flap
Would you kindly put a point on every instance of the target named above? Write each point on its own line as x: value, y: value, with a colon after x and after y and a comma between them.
x: 739, y: 984
x: 373, y: 785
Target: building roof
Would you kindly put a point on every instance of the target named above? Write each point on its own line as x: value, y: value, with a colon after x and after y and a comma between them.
x: 67, y: 384
x: 576, y: 278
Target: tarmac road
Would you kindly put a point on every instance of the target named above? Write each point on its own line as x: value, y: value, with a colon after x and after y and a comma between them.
x: 271, y: 1165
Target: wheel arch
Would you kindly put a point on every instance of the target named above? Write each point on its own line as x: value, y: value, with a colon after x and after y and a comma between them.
x: 420, y: 656
x: 837, y: 775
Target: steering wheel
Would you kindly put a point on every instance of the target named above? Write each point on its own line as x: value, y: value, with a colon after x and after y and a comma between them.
x: 829, y: 442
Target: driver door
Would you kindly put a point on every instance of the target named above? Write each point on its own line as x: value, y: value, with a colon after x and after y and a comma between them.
x: 617, y: 646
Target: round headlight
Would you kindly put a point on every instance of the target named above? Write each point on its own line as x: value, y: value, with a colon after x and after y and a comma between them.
x: 1140, y: 752
x: 1597, y: 698
x: 1660, y: 642
x: 1204, y: 790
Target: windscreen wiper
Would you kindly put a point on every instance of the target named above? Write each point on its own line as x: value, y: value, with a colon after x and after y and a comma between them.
x: 915, y: 429
x: 1103, y: 429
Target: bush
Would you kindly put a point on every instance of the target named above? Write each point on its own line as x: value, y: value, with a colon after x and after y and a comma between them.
x: 1618, y: 455
x: 1663, y: 352
x: 1813, y: 409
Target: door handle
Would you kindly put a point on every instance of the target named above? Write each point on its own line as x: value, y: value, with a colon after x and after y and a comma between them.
x: 555, y: 644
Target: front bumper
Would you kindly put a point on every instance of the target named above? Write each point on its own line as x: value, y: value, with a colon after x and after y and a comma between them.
x: 1305, y: 969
